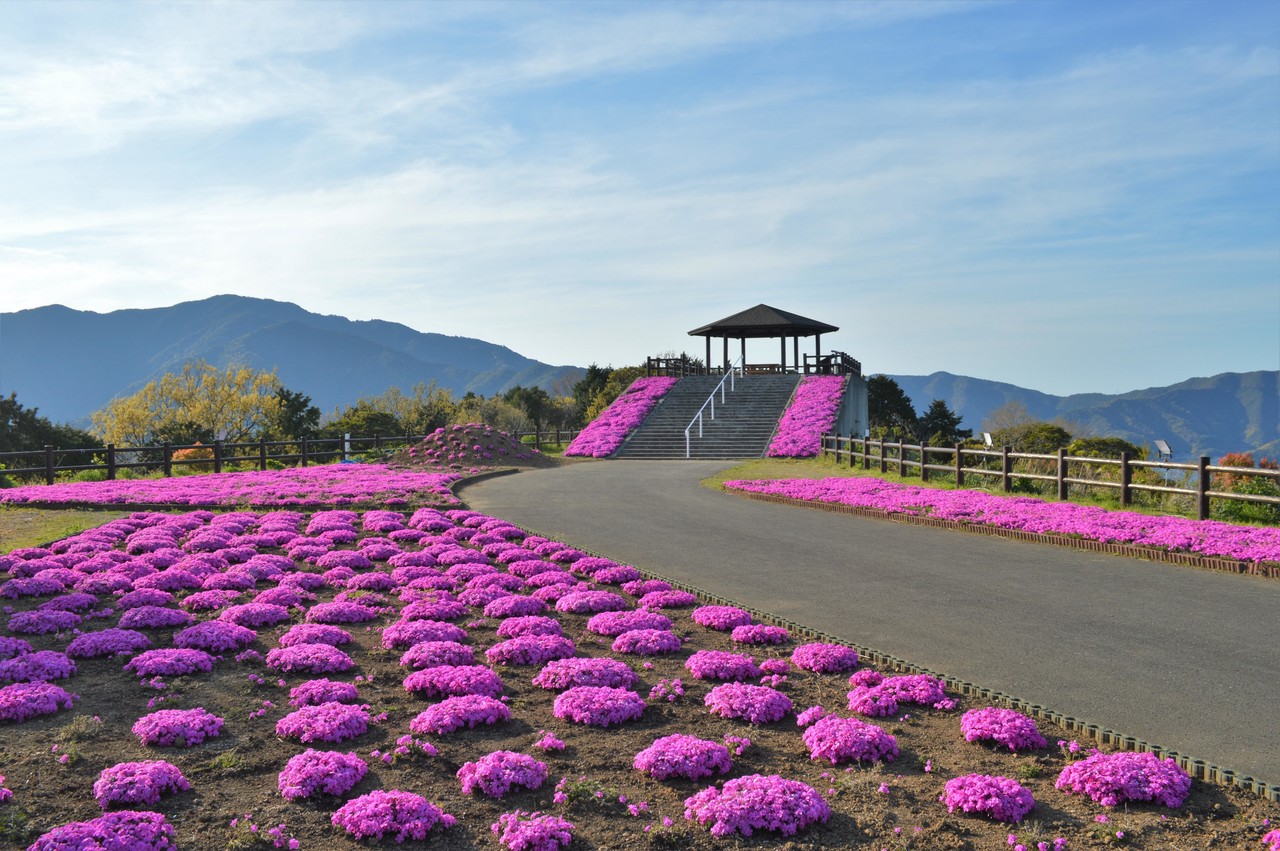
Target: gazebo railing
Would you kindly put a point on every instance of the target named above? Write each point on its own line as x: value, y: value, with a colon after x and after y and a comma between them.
x: 835, y: 363
x: 735, y: 368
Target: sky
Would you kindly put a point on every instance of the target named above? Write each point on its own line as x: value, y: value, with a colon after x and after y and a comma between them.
x: 1077, y: 196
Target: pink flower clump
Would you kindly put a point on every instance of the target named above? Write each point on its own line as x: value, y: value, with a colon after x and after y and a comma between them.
x: 494, y: 774
x: 108, y: 642
x: 454, y: 681
x: 393, y: 814
x: 39, y: 667
x: 758, y: 802
x: 811, y: 414
x: 1112, y: 779
x: 309, y: 658
x: 126, y: 830
x: 182, y: 727
x: 316, y: 692
x: 613, y: 624
x: 758, y: 633
x: 1007, y: 727
x: 21, y: 701
x: 849, y: 740
x: 723, y: 618
x: 605, y: 433
x: 313, y: 772
x: 434, y: 654
x: 601, y: 671
x: 138, y: 783
x: 722, y: 665
x: 683, y: 756
x: 170, y: 662
x: 999, y: 798
x: 598, y: 706
x: 753, y: 704
x: 521, y: 831
x: 647, y: 642
x: 824, y: 658
x: 454, y: 713
x: 530, y: 650
x: 324, y: 722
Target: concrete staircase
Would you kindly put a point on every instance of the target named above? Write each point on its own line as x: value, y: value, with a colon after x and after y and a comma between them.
x: 742, y: 428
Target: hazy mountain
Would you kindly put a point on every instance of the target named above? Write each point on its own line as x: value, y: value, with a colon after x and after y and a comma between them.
x: 68, y: 363
x: 1231, y: 412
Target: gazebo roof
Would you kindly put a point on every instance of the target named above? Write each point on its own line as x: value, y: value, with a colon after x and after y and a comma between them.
x: 763, y: 321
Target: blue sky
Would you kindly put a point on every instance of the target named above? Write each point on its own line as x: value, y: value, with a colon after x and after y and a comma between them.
x: 1073, y: 197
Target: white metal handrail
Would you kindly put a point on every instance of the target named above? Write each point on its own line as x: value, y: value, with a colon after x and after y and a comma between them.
x: 711, y: 400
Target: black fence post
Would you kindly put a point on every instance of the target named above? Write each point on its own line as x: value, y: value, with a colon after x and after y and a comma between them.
x: 262, y: 454
x: 1202, y: 488
x: 166, y: 464
x: 111, y: 460
x: 48, y: 464
x: 924, y: 464
x: 884, y: 466
x: 1006, y: 470
x: 305, y: 451
x: 217, y: 456
x: 852, y: 456
x: 959, y: 465
x: 866, y: 453
x: 377, y: 441
x: 1062, y: 474
x: 1126, y: 479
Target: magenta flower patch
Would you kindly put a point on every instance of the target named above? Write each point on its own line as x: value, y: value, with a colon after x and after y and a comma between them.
x: 568, y: 673
x: 999, y: 798
x: 454, y: 681
x: 811, y: 414
x: 404, y: 634
x: 757, y: 802
x: 613, y: 624
x: 454, y: 713
x: 720, y: 665
x: 758, y: 633
x: 325, y: 722
x: 21, y: 701
x: 153, y: 617
x: 215, y: 637
x: 825, y: 658
x: 315, y: 772
x: 316, y: 692
x: 170, y: 662
x: 126, y: 830
x: 1006, y: 727
x: 315, y: 633
x: 605, y: 433
x: 683, y: 756
x: 138, y: 783
x: 598, y: 706
x: 849, y: 740
x: 1112, y: 779
x: 433, y: 654
x: 185, y: 728
x: 753, y: 704
x: 530, y: 650
x: 521, y: 831
x: 529, y: 625
x: 43, y: 622
x: 393, y: 815
x: 496, y: 773
x: 723, y: 618
x: 39, y: 667
x: 586, y: 602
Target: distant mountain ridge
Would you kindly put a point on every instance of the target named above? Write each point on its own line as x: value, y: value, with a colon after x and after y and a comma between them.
x: 69, y: 363
x: 1230, y: 412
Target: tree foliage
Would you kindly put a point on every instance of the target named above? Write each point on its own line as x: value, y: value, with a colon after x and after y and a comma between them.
x: 890, y: 413
x: 1105, y: 447
x: 23, y: 429
x: 297, y: 417
x: 201, y: 402
x: 1235, y: 511
x: 940, y: 426
x: 535, y: 402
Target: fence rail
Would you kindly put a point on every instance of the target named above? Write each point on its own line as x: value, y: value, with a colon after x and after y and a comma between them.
x: 166, y: 456
x: 1057, y: 469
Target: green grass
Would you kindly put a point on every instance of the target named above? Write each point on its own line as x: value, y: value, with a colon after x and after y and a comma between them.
x: 34, y: 527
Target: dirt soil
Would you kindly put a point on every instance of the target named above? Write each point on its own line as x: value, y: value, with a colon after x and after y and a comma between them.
x: 235, y: 774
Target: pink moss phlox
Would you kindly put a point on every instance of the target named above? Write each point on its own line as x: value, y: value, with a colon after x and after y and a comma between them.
x: 315, y: 633
x: 454, y: 713
x: 309, y: 658
x: 758, y: 802
x: 324, y: 722
x: 454, y: 681
x: 255, y: 615
x: 38, y: 667
x: 758, y: 633
x: 849, y: 740
x: 722, y: 618
x: 586, y: 602
x: 316, y: 772
x: 215, y: 637
x: 404, y: 634
x: 753, y: 704
x: 434, y: 610
x: 11, y: 647
x: 522, y: 831
x: 529, y: 625
x: 647, y: 642
x: 433, y: 654
x: 722, y: 665
x: 613, y: 624
x: 506, y: 607
x: 670, y: 599
x: 1007, y: 727
x: 683, y: 756
x: 170, y: 662
x: 126, y: 830
x: 598, y: 706
x: 138, y: 783
x: 999, y: 798
x: 318, y: 691
x: 21, y: 701
x: 822, y: 658
x: 810, y: 715
x: 207, y: 601
x: 600, y: 671
x: 43, y: 622
x: 531, y: 650
x: 606, y: 432
x: 811, y: 414
x: 393, y: 815
x: 494, y: 774
x: 340, y: 613
x: 1112, y: 779
x: 184, y: 728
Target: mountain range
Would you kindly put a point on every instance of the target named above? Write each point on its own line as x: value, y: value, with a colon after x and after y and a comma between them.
x: 68, y: 363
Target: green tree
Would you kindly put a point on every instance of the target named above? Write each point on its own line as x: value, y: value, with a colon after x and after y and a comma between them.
x: 23, y: 429
x: 361, y: 420
x: 889, y: 409
x: 297, y: 417
x: 586, y: 390
x: 940, y: 426
x: 1105, y: 447
x: 201, y: 401
x: 534, y: 401
x: 614, y: 386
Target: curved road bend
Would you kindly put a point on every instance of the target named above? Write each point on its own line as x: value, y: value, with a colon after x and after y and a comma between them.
x: 1181, y: 657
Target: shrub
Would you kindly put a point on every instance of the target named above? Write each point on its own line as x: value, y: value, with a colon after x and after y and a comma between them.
x: 683, y: 756
x: 392, y: 814
x: 494, y: 774
x: 998, y: 797
x: 313, y: 772
x: 1112, y: 779
x: 757, y: 802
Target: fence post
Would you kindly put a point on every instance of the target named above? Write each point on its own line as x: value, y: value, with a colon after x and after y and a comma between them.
x: 1006, y: 469
x: 167, y: 462
x: 902, y: 460
x: 217, y: 456
x: 852, y: 457
x: 111, y: 460
x: 924, y: 464
x: 1202, y: 488
x: 262, y: 454
x: 48, y: 463
x: 959, y: 465
x: 377, y: 441
x: 884, y: 466
x: 866, y: 452
x: 1062, y: 474
x: 1126, y: 479
x: 306, y: 450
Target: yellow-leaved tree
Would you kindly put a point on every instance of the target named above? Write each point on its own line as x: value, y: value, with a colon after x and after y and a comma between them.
x: 201, y: 403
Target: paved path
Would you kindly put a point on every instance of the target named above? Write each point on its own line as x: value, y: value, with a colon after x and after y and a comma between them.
x: 1181, y: 657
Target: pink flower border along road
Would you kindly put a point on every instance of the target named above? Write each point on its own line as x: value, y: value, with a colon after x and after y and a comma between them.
x: 1177, y: 535
x: 605, y: 433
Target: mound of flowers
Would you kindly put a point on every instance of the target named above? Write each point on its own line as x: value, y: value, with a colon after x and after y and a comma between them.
x: 462, y: 447
x: 394, y: 815
x: 683, y: 756
x: 721, y: 665
x: 182, y: 727
x: 753, y: 704
x: 822, y: 658
x: 758, y: 802
x: 1006, y: 727
x: 999, y: 798
x: 521, y: 831
x: 849, y: 740
x: 1112, y: 779
x: 21, y: 701
x: 138, y: 783
x: 598, y: 706
x: 314, y: 772
x: 605, y: 433
x: 454, y: 681
x: 1175, y: 534
x: 494, y: 774
x: 811, y: 414
x: 454, y: 713
x: 569, y: 673
x: 324, y: 722
x: 136, y: 831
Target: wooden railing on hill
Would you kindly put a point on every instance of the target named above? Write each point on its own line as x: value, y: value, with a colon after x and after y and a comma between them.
x: 212, y: 457
x: 835, y: 363
x: 1062, y: 470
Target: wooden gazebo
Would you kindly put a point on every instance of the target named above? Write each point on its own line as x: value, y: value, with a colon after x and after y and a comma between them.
x: 763, y: 321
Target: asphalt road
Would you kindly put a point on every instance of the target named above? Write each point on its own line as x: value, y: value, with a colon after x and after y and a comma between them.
x: 1180, y: 657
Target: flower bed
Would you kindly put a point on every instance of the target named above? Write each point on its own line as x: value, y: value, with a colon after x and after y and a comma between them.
x: 182, y: 727
x: 324, y: 722
x: 824, y: 658
x: 757, y: 802
x: 753, y: 704
x: 811, y: 414
x: 723, y: 618
x: 134, y: 831
x: 521, y: 831
x: 530, y: 650
x: 454, y: 713
x: 1112, y: 779
x: 598, y: 706
x: 606, y: 432
x: 647, y: 642
x: 170, y: 662
x: 454, y: 681
x: 433, y: 654
x: 720, y: 665
x: 613, y: 624
x: 1007, y: 727
x: 38, y: 667
x: 21, y: 701
x: 840, y: 740
x: 309, y: 659
x: 570, y: 673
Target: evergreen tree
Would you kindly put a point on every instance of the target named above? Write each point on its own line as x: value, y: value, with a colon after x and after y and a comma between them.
x: 889, y: 409
x: 940, y: 426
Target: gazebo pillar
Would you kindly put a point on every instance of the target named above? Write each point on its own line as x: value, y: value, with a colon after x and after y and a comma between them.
x: 726, y: 353
x: 795, y: 352
x: 707, y: 362
x: 743, y: 341
x: 783, y: 340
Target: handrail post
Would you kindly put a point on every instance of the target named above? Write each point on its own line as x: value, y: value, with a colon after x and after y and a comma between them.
x: 1126, y: 479
x: 1202, y: 488
x: 1062, y: 474
x: 959, y: 465
x: 688, y: 450
x: 111, y: 460
x: 48, y: 463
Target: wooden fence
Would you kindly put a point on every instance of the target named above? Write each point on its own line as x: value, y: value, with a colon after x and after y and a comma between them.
x: 1062, y: 470
x: 165, y: 457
